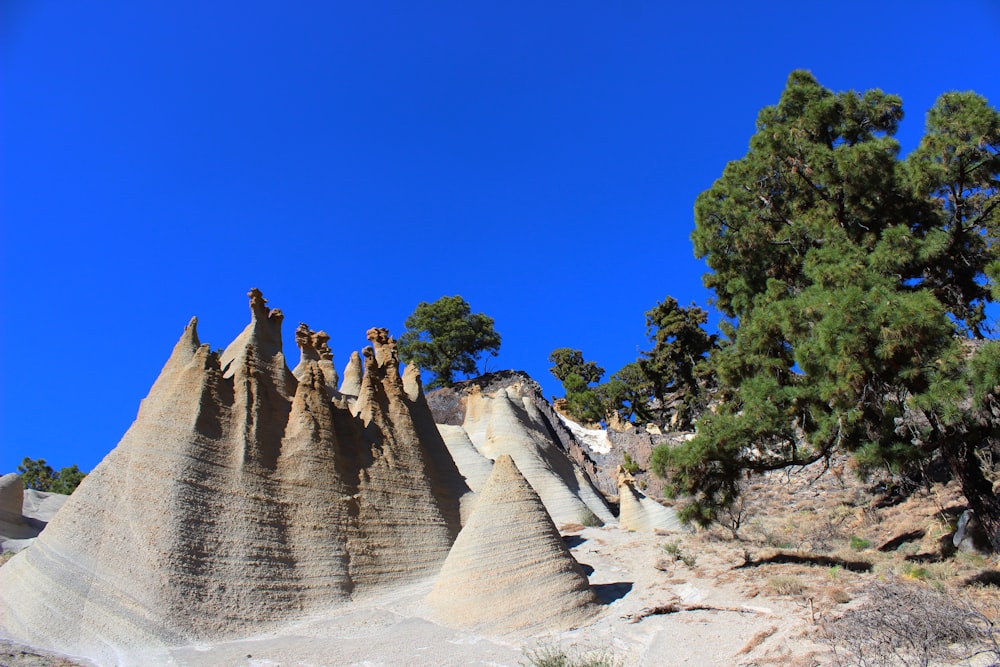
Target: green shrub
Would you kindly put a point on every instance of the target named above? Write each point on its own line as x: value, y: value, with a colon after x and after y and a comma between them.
x: 860, y: 543
x: 918, y: 572
x: 630, y: 466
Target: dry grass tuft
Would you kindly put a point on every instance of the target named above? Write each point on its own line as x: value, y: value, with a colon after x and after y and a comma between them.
x: 758, y: 639
x: 784, y: 584
x: 908, y: 623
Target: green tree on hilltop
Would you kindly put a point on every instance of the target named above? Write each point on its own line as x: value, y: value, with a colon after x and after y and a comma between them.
x: 629, y: 393
x: 954, y: 174
x: 446, y: 338
x: 849, y: 278
x: 40, y: 476
x: 676, y: 366
x: 67, y: 479
x: 37, y: 475
x: 577, y: 376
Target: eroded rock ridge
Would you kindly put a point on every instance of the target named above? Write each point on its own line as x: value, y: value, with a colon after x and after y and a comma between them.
x: 243, y: 496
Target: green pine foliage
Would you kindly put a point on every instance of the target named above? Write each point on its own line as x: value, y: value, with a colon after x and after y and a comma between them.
x: 577, y: 375
x: 668, y: 384
x: 447, y: 338
x: 629, y: 393
x: 855, y: 285
x: 676, y: 369
x: 40, y: 476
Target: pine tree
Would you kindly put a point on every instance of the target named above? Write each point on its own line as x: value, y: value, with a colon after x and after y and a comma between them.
x: 577, y: 375
x: 446, y: 338
x: 848, y: 277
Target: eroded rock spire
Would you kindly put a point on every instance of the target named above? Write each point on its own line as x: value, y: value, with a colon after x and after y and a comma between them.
x: 314, y: 348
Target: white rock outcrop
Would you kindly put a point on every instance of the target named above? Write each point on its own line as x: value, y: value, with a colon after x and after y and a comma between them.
x: 504, y: 423
x: 639, y: 512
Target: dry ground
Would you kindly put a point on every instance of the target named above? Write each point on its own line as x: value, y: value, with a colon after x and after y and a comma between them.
x: 808, y: 554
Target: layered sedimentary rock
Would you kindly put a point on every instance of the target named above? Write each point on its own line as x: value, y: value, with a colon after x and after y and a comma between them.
x: 241, y: 498
x: 13, y: 527
x: 511, y: 419
x: 472, y: 465
x: 475, y: 467
x: 509, y: 568
x: 641, y: 513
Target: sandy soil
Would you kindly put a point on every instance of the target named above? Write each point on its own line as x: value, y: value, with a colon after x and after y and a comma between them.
x: 767, y: 596
x: 631, y: 572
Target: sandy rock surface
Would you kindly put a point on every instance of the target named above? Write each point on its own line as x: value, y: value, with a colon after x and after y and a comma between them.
x: 241, y: 499
x: 24, y: 513
x: 637, y: 511
x: 398, y: 627
x: 509, y: 569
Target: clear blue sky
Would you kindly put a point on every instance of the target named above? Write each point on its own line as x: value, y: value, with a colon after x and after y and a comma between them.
x: 352, y: 159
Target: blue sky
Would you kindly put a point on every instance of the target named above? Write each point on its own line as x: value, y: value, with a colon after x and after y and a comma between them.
x: 354, y: 159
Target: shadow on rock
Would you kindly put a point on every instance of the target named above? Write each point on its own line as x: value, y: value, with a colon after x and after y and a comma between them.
x: 608, y: 593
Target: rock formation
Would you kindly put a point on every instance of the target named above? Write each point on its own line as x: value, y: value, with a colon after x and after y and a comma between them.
x: 475, y: 467
x: 23, y: 512
x: 11, y: 498
x: 352, y: 376
x: 509, y: 568
x: 242, y: 497
x: 638, y: 512
x: 510, y: 419
x: 314, y: 348
x: 13, y: 527
x: 504, y: 412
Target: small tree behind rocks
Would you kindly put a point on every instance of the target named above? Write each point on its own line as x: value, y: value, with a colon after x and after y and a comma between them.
x: 40, y: 476
x: 447, y: 338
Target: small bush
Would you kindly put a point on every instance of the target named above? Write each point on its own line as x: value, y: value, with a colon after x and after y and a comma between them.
x: 839, y: 595
x: 591, y: 521
x: 551, y: 656
x: 674, y: 550
x: 630, y: 465
x: 783, y: 584
x: 734, y: 515
x: 918, y: 572
x: 909, y: 624
x: 860, y: 543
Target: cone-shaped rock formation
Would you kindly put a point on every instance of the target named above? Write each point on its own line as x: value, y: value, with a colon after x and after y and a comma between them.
x: 240, y: 499
x: 475, y: 467
x: 504, y: 423
x: 509, y: 568
x: 11, y: 498
x: 640, y: 512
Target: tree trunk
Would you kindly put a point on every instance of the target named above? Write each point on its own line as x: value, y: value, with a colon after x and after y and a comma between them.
x: 960, y: 455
